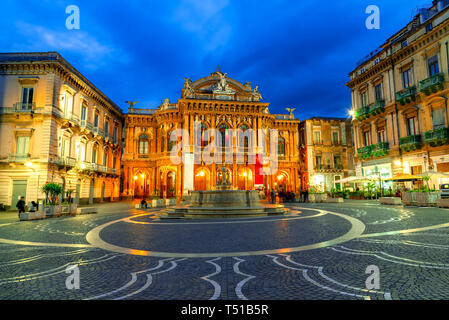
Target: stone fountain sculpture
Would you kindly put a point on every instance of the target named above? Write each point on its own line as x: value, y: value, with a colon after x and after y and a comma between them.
x: 223, y: 202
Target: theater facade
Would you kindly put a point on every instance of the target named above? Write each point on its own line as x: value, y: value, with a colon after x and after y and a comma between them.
x: 218, y: 129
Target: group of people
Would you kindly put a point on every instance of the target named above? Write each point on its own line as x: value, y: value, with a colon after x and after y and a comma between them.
x: 285, y: 196
x: 21, y: 205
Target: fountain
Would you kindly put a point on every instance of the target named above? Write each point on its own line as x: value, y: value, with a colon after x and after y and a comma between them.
x: 224, y: 202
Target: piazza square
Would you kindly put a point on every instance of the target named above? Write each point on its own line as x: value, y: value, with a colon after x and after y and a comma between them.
x: 217, y: 179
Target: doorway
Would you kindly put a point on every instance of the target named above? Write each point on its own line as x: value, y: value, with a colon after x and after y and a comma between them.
x: 19, y: 189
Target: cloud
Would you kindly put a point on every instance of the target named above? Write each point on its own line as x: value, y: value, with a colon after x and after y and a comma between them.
x: 94, y: 54
x: 205, y: 20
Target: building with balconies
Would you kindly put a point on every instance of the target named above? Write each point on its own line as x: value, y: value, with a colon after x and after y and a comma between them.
x: 55, y: 126
x: 326, y: 149
x: 399, y: 99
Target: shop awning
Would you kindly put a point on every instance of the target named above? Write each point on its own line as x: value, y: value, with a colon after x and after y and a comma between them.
x: 404, y: 177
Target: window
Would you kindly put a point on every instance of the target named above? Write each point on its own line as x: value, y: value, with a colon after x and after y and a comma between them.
x: 281, y: 147
x: 94, y: 154
x: 381, y: 137
x: 96, y: 118
x: 378, y: 92
x: 83, y: 113
x: 318, y: 162
x: 81, y: 151
x: 143, y: 144
x: 337, y: 161
x: 105, y: 158
x: 203, y: 137
x: 335, y: 137
x: 316, y: 137
x: 407, y: 78
x: 433, y: 66
x: 27, y: 98
x: 68, y: 100
x: 438, y: 118
x: 114, y: 162
x: 106, y: 127
x: 115, y: 134
x: 65, y: 147
x: 429, y: 27
x: 224, y: 136
x: 23, y: 144
x: 404, y: 44
x: 412, y: 126
x: 367, y: 138
x: 244, y: 136
x: 170, y: 143
x: 363, y: 99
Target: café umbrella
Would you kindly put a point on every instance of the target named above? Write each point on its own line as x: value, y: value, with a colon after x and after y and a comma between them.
x: 404, y: 177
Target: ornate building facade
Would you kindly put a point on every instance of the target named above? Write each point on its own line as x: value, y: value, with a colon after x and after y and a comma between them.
x: 55, y: 126
x: 399, y: 100
x: 327, y: 152
x: 222, y: 128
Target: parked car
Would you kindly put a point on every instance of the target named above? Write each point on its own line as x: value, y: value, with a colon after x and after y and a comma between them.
x: 444, y: 191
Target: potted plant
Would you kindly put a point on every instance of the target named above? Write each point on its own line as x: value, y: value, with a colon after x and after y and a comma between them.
x: 52, y: 191
x: 68, y: 207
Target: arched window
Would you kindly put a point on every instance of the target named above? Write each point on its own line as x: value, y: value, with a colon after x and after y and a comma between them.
x: 203, y: 136
x: 170, y: 143
x: 143, y: 144
x: 224, y: 135
x: 244, y: 136
x: 281, y: 147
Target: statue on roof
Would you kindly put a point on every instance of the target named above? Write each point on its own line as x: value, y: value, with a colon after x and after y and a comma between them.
x: 188, y: 89
x: 256, y: 94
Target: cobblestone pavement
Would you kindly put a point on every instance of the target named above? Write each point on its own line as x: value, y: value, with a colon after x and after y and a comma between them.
x: 308, y: 254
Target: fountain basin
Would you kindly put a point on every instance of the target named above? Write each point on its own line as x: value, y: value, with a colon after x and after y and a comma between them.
x: 224, y: 204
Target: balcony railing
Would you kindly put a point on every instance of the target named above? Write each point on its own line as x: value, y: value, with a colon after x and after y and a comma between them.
x: 406, y: 95
x: 365, y: 152
x: 410, y: 143
x: 432, y: 84
x: 17, y: 157
x: 24, y: 107
x: 362, y: 113
x: 375, y: 150
x: 67, y: 162
x: 437, y: 137
x: 377, y: 108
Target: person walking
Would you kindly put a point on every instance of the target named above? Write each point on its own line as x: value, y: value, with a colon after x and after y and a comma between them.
x: 273, y: 196
x: 21, y: 205
x: 306, y: 195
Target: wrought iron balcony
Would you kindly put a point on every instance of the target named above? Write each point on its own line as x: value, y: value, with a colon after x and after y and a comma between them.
x: 365, y: 152
x: 432, y: 84
x: 437, y: 137
x: 362, y: 113
x: 410, y: 143
x: 406, y: 95
x: 377, y: 108
x: 380, y: 149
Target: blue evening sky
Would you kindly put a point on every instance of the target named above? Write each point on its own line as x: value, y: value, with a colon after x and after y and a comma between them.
x: 299, y: 53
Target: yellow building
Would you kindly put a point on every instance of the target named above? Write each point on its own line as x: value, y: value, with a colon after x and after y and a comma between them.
x: 224, y: 129
x: 327, y: 152
x: 55, y: 126
x: 399, y: 100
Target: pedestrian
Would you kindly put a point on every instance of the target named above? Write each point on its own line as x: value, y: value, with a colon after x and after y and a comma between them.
x: 306, y: 195
x: 273, y: 196
x: 21, y: 205
x: 300, y: 195
x: 34, y: 206
x: 143, y: 204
